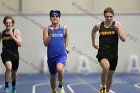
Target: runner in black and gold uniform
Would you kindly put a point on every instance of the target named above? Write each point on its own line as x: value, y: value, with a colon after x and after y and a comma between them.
x: 9, y: 50
x: 11, y: 40
x: 108, y: 45
x: 110, y: 32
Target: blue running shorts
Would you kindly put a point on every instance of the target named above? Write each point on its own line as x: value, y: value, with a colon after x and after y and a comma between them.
x: 52, y: 62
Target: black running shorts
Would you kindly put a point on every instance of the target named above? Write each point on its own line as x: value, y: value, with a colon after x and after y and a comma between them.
x: 11, y: 56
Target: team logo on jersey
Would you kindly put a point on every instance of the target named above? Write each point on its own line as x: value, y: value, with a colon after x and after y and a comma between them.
x: 6, y: 38
x: 107, y: 33
x: 57, y: 35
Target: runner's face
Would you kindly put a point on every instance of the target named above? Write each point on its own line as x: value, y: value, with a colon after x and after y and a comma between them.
x: 108, y: 17
x: 55, y: 19
x: 8, y: 24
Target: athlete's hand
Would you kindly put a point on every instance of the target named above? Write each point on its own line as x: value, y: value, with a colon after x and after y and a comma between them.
x: 95, y: 46
x: 116, y: 28
x: 11, y: 33
x: 67, y: 50
x: 51, y: 29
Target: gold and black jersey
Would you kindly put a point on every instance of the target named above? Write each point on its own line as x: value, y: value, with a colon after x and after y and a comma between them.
x: 8, y: 43
x: 108, y: 42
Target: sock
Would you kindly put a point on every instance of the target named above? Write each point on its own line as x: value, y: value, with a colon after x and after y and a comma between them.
x: 104, y: 86
x: 60, y: 84
x: 54, y: 90
x: 6, y: 84
x: 13, y: 83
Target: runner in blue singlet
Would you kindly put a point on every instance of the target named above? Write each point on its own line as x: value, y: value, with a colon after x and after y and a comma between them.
x: 55, y: 37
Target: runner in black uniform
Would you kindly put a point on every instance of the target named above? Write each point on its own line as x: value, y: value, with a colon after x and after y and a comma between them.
x: 110, y: 32
x: 11, y: 39
x: 9, y: 50
x: 108, y: 45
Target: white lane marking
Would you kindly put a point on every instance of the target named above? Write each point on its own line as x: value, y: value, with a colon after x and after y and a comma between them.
x: 111, y: 91
x: 39, y: 84
x: 69, y: 86
x: 1, y: 85
x: 81, y: 81
x: 137, y: 85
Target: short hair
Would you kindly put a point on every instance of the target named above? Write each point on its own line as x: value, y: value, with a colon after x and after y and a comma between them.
x: 8, y: 17
x: 109, y: 9
x: 55, y: 11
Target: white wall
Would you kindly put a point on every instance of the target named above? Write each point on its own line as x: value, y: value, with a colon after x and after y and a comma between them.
x: 79, y: 28
x: 120, y: 6
x: 44, y: 6
x: 13, y: 3
x: 66, y: 6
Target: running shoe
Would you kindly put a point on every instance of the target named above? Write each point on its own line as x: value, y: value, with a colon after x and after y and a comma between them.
x: 14, y: 89
x: 61, y: 90
x: 103, y: 90
x: 5, y: 90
